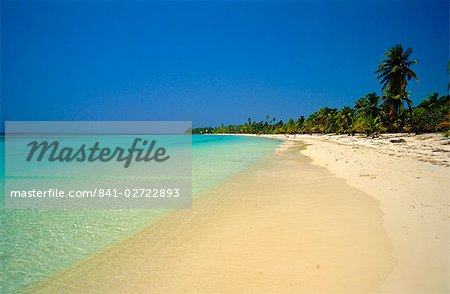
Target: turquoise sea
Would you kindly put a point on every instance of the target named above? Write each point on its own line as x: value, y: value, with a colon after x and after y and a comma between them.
x: 37, y: 243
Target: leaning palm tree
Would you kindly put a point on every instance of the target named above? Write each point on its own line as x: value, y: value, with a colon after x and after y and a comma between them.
x: 394, y: 73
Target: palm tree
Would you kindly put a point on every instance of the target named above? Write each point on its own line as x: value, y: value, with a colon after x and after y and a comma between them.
x: 430, y: 101
x: 369, y: 105
x: 323, y: 121
x: 369, y: 125
x: 360, y: 105
x: 395, y: 72
x: 345, y: 120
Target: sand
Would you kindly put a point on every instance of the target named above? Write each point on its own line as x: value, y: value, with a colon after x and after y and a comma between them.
x: 338, y: 217
x: 411, y: 181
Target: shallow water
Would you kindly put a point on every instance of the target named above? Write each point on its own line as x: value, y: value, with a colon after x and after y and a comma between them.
x: 36, y: 243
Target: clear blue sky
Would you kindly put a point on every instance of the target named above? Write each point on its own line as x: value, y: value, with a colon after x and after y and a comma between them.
x: 209, y: 62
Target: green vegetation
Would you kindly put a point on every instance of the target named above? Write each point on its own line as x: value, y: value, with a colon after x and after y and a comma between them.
x: 370, y: 115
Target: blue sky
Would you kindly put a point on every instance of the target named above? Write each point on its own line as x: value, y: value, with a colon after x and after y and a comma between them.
x: 209, y: 62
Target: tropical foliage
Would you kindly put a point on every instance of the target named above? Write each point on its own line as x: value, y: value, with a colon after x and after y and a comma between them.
x: 394, y: 72
x: 371, y: 114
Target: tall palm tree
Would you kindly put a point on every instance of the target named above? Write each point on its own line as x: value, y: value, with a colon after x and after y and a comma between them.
x: 394, y: 73
x: 395, y: 109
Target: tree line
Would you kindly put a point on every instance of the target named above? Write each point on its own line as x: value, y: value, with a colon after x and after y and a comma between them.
x: 371, y: 115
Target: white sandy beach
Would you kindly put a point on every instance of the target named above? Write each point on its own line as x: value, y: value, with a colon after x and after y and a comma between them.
x: 411, y: 181
x: 345, y: 215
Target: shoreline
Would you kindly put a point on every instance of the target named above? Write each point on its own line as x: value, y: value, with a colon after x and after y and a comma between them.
x: 402, y: 239
x: 275, y: 227
x: 432, y: 148
x: 411, y: 181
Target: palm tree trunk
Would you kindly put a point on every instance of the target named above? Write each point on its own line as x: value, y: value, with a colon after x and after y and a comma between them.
x: 411, y: 115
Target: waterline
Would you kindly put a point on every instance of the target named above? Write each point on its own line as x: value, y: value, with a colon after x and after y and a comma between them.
x: 38, y: 243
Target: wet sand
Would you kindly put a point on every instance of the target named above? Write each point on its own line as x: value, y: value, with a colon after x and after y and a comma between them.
x: 282, y: 226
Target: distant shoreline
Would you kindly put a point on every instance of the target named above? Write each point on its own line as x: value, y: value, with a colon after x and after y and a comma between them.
x: 430, y: 147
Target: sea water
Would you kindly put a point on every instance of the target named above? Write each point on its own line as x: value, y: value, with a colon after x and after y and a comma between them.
x: 35, y: 243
